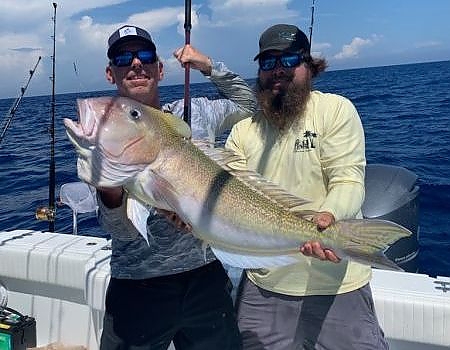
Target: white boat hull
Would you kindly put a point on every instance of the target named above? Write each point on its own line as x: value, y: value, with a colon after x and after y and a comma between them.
x: 61, y: 281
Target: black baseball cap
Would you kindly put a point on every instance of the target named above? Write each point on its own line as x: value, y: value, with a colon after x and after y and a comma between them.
x: 283, y: 37
x: 128, y: 32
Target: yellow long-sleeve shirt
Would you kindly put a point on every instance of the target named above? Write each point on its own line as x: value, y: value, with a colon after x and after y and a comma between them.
x: 321, y: 160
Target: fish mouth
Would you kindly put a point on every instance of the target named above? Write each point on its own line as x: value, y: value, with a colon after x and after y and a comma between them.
x: 85, y: 119
x: 89, y: 118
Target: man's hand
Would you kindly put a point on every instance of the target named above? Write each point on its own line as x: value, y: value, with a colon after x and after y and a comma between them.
x: 175, y: 220
x: 197, y: 60
x: 315, y: 250
x: 323, y: 220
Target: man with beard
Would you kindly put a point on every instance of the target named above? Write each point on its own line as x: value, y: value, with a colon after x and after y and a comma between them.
x: 312, y: 145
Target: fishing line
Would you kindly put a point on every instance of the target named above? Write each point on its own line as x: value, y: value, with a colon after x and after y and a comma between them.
x: 80, y: 84
x: 13, y: 109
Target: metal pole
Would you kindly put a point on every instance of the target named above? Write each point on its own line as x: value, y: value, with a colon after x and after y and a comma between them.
x: 187, y: 31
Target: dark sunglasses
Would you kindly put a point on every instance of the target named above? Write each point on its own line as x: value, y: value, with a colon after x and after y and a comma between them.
x: 287, y: 60
x: 125, y: 58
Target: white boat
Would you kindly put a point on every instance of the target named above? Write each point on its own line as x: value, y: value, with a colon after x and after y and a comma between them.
x: 60, y: 280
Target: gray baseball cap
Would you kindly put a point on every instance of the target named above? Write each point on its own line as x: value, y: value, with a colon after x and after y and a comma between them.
x: 283, y: 37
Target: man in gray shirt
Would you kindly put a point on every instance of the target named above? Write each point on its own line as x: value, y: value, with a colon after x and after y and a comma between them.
x: 169, y: 289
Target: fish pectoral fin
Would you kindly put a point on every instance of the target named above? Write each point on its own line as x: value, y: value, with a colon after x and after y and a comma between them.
x: 156, y: 191
x: 138, y: 215
x: 253, y: 261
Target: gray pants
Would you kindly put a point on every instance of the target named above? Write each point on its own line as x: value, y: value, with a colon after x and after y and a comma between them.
x: 272, y: 321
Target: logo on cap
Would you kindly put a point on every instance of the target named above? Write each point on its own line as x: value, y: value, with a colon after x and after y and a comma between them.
x: 287, y: 36
x: 127, y: 31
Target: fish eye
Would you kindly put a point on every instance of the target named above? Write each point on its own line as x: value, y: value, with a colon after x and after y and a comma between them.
x: 135, y: 114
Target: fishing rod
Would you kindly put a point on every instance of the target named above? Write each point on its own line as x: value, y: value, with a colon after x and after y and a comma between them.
x: 311, y: 25
x: 52, y: 174
x: 49, y: 213
x: 12, y: 111
x: 187, y: 32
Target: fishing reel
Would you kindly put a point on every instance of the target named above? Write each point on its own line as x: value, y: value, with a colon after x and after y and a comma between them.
x: 46, y: 213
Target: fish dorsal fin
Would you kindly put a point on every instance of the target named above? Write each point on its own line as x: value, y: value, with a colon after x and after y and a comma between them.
x: 174, y: 122
x: 304, y: 214
x: 220, y: 155
x: 272, y: 191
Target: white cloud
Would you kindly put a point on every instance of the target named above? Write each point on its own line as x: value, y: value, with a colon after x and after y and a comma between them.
x: 18, y: 54
x: 25, y: 34
x: 354, y: 48
x: 93, y: 33
x: 250, y: 12
x: 226, y: 30
x: 232, y: 4
x: 318, y: 48
x: 156, y: 20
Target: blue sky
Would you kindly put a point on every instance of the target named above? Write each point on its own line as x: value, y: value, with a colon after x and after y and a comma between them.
x: 348, y: 33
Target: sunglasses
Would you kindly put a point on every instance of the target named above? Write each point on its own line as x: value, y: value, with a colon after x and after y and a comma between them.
x: 287, y: 60
x: 125, y: 58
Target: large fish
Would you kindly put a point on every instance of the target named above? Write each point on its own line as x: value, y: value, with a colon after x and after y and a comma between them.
x: 247, y: 221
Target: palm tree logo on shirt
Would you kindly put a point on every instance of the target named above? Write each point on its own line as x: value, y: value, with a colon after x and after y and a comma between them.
x: 306, y: 143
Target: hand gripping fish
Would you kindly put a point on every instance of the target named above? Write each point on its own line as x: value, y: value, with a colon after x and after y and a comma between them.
x: 246, y: 220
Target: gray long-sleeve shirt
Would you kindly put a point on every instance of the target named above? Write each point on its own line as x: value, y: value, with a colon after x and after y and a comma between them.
x: 170, y: 250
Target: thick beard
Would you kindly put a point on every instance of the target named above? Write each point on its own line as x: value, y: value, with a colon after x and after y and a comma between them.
x: 285, y: 109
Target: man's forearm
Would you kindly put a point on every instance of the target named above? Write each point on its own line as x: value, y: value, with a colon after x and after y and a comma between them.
x: 233, y: 87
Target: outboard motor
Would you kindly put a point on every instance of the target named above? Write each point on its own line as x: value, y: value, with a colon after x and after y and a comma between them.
x: 392, y: 194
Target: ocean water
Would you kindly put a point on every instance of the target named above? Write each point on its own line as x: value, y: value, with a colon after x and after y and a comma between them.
x: 405, y: 111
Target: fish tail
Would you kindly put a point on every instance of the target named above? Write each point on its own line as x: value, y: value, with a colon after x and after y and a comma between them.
x: 366, y: 240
